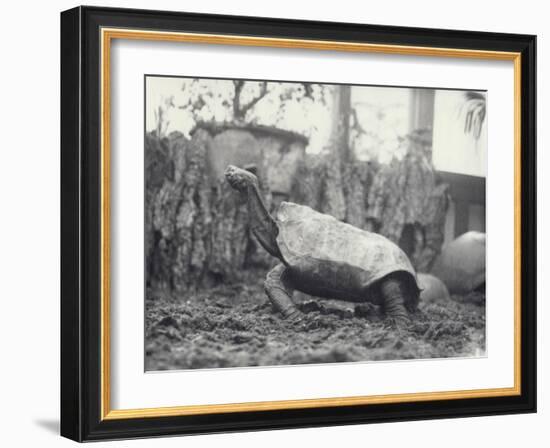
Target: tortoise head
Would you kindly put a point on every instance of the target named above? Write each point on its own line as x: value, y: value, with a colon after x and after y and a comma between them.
x: 240, y: 179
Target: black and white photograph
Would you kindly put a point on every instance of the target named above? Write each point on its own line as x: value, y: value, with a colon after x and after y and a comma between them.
x: 274, y: 224
x: 292, y: 222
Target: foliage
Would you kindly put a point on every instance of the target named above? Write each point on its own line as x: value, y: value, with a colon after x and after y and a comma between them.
x: 408, y: 204
x: 475, y: 111
x: 160, y: 112
x: 247, y: 101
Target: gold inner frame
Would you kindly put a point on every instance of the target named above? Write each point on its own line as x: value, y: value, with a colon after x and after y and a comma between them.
x: 107, y: 35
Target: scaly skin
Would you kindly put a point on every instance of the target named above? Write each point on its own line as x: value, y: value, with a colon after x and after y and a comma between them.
x: 262, y: 224
x: 393, y: 296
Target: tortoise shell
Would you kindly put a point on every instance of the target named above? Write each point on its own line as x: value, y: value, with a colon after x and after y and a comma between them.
x: 338, y: 252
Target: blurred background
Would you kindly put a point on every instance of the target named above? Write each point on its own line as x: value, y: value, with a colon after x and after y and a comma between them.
x: 408, y: 163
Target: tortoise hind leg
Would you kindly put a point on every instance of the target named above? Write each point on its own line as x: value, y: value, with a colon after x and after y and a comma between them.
x: 279, y: 290
x: 394, y: 295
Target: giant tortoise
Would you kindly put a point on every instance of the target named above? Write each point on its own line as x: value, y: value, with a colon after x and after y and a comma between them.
x: 461, y: 264
x: 327, y: 258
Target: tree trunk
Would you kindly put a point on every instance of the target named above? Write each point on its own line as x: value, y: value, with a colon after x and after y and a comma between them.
x: 341, y: 115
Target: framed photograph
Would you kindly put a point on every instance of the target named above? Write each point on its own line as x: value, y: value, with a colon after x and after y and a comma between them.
x: 273, y: 223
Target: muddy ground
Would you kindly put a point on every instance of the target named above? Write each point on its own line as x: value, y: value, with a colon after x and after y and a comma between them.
x: 230, y: 326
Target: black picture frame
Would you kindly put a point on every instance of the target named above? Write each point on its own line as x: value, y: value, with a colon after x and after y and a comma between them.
x: 81, y: 224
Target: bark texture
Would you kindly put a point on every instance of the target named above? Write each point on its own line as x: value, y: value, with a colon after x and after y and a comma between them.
x: 197, y: 228
x: 407, y: 204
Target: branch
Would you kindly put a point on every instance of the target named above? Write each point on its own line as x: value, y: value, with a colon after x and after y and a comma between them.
x: 356, y: 125
x: 237, y: 97
x: 245, y: 108
x: 308, y: 90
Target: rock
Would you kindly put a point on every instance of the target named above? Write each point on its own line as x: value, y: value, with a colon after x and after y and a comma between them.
x: 433, y: 289
x: 461, y: 264
x: 231, y: 147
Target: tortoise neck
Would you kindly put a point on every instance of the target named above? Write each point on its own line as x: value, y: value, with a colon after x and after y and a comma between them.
x: 262, y: 224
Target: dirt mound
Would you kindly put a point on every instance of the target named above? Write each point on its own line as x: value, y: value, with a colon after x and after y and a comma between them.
x: 235, y: 326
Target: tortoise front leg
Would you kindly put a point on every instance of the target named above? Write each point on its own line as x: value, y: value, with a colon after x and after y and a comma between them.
x: 279, y: 290
x: 393, y: 300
